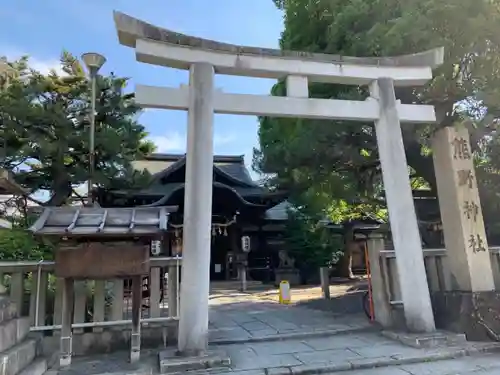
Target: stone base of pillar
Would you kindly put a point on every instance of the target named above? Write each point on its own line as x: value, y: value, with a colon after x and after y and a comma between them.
x: 173, y: 362
x: 477, y: 314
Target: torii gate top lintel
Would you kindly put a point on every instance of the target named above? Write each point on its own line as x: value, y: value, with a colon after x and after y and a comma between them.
x: 145, y: 37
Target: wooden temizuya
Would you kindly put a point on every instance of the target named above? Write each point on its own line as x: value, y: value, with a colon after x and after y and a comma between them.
x: 97, y: 243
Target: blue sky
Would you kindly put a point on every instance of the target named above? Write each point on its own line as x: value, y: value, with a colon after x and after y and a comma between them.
x: 41, y: 29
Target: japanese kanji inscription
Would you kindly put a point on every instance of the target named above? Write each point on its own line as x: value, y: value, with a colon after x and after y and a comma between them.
x: 461, y: 148
x: 462, y: 151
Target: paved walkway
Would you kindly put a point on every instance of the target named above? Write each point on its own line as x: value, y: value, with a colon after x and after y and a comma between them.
x: 484, y: 365
x: 352, y: 352
x: 264, y: 320
x: 263, y: 337
x: 248, y: 328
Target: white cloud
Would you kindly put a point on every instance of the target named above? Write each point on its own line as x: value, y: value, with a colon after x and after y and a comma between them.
x: 176, y: 142
x: 171, y: 143
x: 221, y: 140
x: 43, y: 65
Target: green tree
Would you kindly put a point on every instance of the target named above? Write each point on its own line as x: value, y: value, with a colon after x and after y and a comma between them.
x: 44, y: 125
x: 338, y: 159
x: 309, y: 242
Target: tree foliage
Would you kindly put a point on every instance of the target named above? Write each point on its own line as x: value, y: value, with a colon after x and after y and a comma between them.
x: 310, y: 243
x: 44, y: 126
x: 331, y: 160
x: 18, y: 244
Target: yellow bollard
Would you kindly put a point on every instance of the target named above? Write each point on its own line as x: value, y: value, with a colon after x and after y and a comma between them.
x: 285, y: 293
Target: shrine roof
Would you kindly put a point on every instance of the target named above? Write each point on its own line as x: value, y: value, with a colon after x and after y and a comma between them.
x: 172, y: 187
x: 230, y: 174
x: 245, y: 195
x: 279, y: 212
x: 74, y: 222
x: 232, y: 167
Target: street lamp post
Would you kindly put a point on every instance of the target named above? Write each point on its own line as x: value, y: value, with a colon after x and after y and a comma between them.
x: 94, y: 62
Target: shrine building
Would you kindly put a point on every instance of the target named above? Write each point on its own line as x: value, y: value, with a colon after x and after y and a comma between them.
x: 240, y: 207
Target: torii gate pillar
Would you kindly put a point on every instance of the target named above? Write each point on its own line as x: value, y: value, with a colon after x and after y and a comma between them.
x: 193, y: 325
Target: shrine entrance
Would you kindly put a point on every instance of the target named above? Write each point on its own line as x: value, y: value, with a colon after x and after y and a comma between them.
x: 380, y: 76
x: 220, y: 250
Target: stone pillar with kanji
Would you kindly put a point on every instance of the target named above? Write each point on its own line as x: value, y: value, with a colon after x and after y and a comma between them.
x: 468, y: 265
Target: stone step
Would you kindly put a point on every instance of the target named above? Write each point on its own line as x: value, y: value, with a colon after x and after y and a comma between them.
x: 17, y: 358
x: 171, y: 363
x: 427, y: 340
x: 13, y: 332
x: 8, y: 309
x: 38, y: 367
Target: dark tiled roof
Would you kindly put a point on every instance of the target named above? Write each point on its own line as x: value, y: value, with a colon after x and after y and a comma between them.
x: 230, y: 173
x: 177, y: 157
x: 279, y: 212
x: 231, y: 166
x: 170, y: 188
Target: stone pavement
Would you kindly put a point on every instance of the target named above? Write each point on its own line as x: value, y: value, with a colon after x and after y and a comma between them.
x: 252, y: 321
x: 353, y: 353
x: 264, y: 338
x: 484, y: 365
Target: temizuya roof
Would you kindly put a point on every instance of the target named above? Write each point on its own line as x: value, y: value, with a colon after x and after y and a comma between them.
x: 78, y: 222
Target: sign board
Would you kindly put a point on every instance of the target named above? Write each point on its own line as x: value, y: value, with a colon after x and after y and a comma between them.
x: 101, y: 260
x: 285, y: 293
x: 245, y: 244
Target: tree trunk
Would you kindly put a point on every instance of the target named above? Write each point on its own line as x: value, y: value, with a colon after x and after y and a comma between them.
x: 61, y: 191
x: 346, y: 260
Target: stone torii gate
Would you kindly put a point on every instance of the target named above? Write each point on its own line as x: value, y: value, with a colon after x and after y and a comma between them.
x: 204, y: 58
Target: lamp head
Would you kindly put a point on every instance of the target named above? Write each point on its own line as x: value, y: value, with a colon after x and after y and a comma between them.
x: 93, y: 61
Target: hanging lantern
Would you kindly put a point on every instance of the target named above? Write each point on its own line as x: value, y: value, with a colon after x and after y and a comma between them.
x: 213, y: 231
x: 245, y: 244
x: 225, y: 231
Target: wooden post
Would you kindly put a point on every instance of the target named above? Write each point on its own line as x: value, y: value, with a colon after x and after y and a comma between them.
x: 171, y: 331
x: 99, y: 303
x: 38, y: 305
x: 117, y: 304
x: 155, y: 278
x: 243, y: 276
x: 80, y: 302
x: 381, y: 303
x: 67, y: 320
x: 58, y: 298
x: 172, y: 290
x: 135, y: 337
x: 324, y: 274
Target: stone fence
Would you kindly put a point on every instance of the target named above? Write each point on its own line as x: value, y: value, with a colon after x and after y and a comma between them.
x: 102, y: 308
x: 386, y: 293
